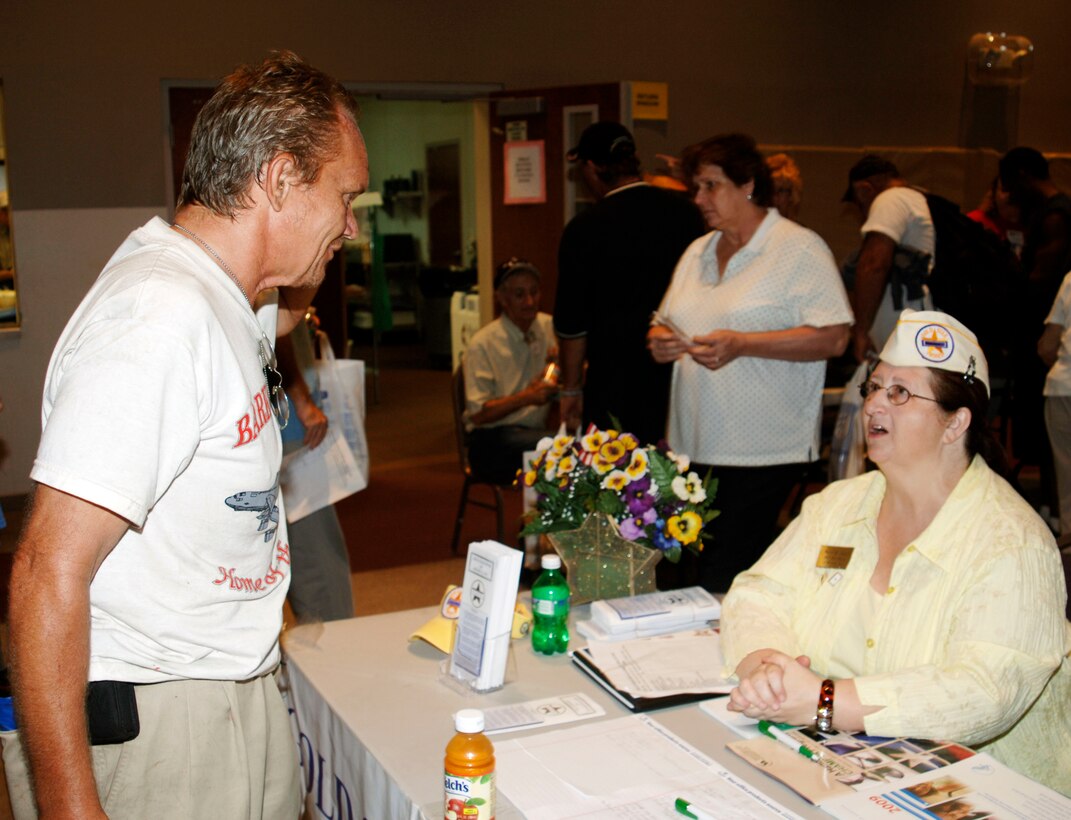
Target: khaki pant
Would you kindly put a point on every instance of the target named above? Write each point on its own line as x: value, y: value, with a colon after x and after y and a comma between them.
x: 206, y: 749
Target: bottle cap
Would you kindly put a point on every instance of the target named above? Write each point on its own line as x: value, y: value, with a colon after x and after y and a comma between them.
x: 468, y: 721
x: 551, y: 561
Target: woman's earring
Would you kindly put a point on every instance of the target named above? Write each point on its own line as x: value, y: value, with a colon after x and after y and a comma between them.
x: 749, y: 197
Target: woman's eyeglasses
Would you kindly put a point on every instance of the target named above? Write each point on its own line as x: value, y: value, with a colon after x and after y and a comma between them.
x: 897, y: 394
x: 280, y: 406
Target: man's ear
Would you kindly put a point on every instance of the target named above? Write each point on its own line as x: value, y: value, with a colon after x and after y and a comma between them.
x: 280, y: 177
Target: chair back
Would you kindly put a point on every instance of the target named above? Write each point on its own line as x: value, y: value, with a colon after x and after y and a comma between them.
x: 457, y: 400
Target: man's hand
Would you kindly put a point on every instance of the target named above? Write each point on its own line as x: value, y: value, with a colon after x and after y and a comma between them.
x: 539, y: 392
x: 861, y: 343
x: 312, y: 418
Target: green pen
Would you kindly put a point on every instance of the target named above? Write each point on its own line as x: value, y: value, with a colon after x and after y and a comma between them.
x: 777, y: 733
x: 692, y: 810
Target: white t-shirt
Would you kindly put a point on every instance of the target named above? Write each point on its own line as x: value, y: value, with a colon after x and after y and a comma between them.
x: 501, y: 360
x: 901, y: 214
x: 752, y: 411
x: 1058, y: 382
x: 156, y: 408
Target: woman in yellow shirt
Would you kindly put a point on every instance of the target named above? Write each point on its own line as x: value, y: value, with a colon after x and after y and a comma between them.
x: 926, y: 599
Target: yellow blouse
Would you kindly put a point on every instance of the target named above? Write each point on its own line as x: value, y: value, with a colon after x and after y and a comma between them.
x: 970, y: 641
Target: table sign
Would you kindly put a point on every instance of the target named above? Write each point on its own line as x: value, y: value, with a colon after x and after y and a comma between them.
x: 492, y: 574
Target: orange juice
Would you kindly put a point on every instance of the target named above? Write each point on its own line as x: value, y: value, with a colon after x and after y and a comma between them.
x: 469, y: 770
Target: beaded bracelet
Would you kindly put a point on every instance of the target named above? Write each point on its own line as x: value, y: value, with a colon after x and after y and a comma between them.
x: 823, y: 719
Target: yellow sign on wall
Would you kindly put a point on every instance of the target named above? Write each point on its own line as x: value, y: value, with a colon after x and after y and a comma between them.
x: 650, y: 101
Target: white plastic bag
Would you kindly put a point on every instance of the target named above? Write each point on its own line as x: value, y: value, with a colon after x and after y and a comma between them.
x: 338, y: 467
x: 847, y: 452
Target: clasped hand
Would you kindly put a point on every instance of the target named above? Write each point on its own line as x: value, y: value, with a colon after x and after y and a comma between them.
x: 777, y: 687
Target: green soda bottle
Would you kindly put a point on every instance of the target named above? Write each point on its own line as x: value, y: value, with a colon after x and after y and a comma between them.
x: 550, y: 608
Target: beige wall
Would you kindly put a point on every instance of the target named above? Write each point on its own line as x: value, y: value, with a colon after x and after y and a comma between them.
x: 86, y: 125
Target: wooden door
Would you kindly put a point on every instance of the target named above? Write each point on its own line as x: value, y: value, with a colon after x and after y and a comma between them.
x: 553, y: 115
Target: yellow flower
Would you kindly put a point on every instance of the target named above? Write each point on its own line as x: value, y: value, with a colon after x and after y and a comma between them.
x: 637, y: 466
x: 685, y: 527
x: 612, y: 434
x: 615, y: 481
x: 593, y: 440
x: 601, y: 465
x: 629, y: 440
x: 612, y: 451
x: 530, y: 478
x: 689, y: 488
x: 561, y: 442
x: 566, y: 465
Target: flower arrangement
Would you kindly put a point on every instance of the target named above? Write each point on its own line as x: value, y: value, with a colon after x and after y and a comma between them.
x: 647, y: 491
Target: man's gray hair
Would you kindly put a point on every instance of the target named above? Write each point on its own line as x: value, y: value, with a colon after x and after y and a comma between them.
x: 282, y: 105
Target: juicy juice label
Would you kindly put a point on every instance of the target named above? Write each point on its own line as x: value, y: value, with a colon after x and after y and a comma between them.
x: 469, y: 798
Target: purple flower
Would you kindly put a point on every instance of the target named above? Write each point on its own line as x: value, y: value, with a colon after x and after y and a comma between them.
x: 650, y: 516
x: 637, y: 496
x: 632, y: 528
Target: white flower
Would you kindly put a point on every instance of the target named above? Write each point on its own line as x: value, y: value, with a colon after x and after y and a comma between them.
x: 683, y: 462
x: 689, y: 488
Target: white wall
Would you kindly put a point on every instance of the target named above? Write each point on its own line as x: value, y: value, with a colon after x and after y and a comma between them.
x: 60, y: 253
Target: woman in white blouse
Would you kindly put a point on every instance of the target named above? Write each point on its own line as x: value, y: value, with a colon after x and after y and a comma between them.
x: 925, y: 599
x: 759, y: 307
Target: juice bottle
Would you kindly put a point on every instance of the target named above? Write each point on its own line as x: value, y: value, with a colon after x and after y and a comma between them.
x: 469, y: 770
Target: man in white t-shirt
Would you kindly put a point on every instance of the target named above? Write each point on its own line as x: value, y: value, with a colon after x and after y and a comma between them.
x: 155, y: 560
x: 898, y: 237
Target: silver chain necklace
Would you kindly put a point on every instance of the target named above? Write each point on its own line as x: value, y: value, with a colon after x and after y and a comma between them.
x: 224, y: 265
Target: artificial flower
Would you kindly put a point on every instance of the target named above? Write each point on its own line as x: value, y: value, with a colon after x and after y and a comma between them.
x: 685, y: 527
x: 594, y: 440
x: 617, y: 480
x: 630, y: 441
x: 637, y: 465
x: 566, y: 465
x: 632, y: 529
x: 665, y: 542
x: 683, y: 462
x: 612, y: 451
x: 530, y: 478
x: 689, y: 488
x: 638, y: 496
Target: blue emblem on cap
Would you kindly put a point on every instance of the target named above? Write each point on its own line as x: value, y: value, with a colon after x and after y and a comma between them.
x: 934, y: 343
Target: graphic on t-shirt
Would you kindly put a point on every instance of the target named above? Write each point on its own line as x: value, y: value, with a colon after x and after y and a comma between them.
x: 262, y: 502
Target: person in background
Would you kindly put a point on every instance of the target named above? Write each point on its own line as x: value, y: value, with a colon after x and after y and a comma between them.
x: 155, y: 561
x: 999, y: 216
x: 1045, y: 211
x: 896, y: 254
x: 759, y: 307
x: 787, y: 185
x: 320, y: 583
x: 924, y: 599
x: 510, y: 376
x: 1054, y: 349
x: 614, y: 262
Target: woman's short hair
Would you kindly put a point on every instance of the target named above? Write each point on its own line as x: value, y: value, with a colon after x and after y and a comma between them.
x: 282, y: 105
x: 952, y: 392
x: 784, y: 169
x: 738, y: 157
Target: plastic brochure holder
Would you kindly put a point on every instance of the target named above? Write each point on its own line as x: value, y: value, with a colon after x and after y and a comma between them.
x: 467, y: 687
x: 482, y: 644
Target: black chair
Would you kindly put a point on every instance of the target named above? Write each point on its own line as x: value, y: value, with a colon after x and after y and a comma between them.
x: 457, y: 395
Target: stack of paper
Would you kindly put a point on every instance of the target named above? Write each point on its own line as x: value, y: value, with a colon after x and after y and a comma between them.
x: 481, y: 646
x: 656, y: 613
x: 651, y: 673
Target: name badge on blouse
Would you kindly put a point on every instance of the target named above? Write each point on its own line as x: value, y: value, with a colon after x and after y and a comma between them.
x: 834, y: 557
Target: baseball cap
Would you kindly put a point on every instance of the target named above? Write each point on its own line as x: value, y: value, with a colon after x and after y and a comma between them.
x: 929, y: 338
x: 602, y: 142
x: 869, y: 166
x: 511, y: 268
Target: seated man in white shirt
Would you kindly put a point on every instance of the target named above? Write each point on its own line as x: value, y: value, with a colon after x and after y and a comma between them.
x: 508, y: 383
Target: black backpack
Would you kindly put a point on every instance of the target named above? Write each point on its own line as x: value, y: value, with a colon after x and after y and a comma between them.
x: 977, y: 278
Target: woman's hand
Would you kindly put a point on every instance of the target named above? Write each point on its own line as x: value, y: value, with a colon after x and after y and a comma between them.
x: 777, y: 687
x: 312, y: 418
x: 665, y: 345
x: 715, y: 350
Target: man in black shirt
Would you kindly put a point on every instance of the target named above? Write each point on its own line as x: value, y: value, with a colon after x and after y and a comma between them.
x: 615, y: 261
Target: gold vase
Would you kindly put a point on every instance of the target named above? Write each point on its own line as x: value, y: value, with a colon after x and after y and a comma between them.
x: 599, y: 563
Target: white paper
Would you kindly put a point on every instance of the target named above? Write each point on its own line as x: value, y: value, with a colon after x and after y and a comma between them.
x: 543, y: 712
x: 718, y: 708
x: 656, y: 609
x: 663, y: 665
x: 641, y: 769
x: 481, y: 647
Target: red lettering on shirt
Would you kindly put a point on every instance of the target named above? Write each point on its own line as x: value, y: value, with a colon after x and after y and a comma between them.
x: 228, y: 576
x: 250, y: 425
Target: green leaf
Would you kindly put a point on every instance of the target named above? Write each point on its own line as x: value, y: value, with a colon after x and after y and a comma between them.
x: 673, y: 555
x: 476, y: 801
x: 663, y: 471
